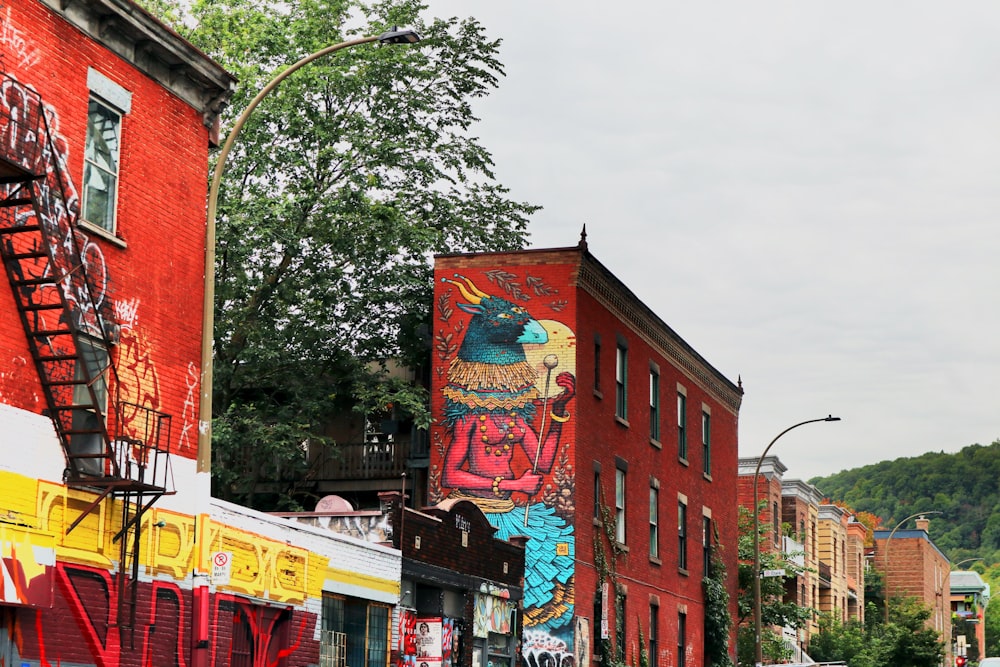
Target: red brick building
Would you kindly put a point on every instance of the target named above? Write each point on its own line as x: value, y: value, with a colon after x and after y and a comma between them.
x: 572, y: 414
x: 106, y: 120
x: 914, y: 567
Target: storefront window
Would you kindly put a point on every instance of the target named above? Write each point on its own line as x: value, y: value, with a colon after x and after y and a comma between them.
x: 500, y: 651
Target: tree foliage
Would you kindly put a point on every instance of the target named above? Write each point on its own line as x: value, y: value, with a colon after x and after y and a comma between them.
x: 342, y: 185
x: 964, y: 486
x: 775, y: 611
x: 718, y: 616
x: 906, y: 640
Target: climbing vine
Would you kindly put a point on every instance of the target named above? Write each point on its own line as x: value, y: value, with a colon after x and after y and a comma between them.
x: 718, y: 620
x: 612, y: 655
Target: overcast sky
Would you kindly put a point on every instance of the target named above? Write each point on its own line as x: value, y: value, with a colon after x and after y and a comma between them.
x: 807, y: 193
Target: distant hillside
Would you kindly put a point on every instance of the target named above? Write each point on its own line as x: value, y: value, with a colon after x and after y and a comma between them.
x: 964, y: 486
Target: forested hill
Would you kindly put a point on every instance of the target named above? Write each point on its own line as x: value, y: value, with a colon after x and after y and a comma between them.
x: 964, y: 487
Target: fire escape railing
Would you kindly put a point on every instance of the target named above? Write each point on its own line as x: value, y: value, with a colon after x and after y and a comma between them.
x: 116, y: 448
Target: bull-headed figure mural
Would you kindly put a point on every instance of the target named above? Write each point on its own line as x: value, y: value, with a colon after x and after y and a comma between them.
x: 505, y: 446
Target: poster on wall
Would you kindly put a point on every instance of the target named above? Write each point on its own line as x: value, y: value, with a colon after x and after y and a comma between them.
x: 581, y: 641
x: 428, y: 642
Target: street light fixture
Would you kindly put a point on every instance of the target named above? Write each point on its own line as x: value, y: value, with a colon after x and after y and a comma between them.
x: 394, y: 36
x: 885, y: 562
x: 758, y: 648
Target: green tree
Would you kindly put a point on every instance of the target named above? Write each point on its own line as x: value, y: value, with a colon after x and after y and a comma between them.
x: 718, y: 617
x: 343, y: 184
x: 991, y: 617
x: 905, y: 641
x: 775, y: 611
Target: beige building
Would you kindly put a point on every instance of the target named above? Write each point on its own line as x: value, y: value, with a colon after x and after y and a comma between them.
x: 833, y: 580
x: 857, y: 533
x: 823, y: 540
x: 800, y: 512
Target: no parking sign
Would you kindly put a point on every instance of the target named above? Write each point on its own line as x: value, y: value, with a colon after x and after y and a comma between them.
x: 222, y: 567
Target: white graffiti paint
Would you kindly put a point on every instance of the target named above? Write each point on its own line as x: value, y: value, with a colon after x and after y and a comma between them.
x: 541, y: 649
x: 190, y: 413
x: 40, y: 149
x: 18, y: 42
x: 127, y: 312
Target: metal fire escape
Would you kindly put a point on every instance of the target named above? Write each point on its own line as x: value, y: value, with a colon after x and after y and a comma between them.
x: 112, y: 448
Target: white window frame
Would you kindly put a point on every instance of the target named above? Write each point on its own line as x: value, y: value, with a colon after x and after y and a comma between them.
x: 620, y: 505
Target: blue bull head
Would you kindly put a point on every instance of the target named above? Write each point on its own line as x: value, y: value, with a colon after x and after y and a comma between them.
x: 498, y: 328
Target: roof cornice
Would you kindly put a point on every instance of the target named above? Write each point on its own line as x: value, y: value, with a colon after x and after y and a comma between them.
x: 139, y: 38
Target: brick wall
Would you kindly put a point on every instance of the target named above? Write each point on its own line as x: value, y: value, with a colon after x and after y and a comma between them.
x: 579, y: 294
x: 152, y: 273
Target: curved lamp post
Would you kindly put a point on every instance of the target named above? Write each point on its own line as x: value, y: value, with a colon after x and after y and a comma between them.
x: 758, y: 648
x: 885, y: 562
x: 393, y: 36
x: 967, y: 560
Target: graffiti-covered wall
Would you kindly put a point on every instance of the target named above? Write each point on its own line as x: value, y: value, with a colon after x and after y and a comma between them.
x: 145, y: 273
x: 504, y: 382
x: 214, y: 584
x: 60, y: 597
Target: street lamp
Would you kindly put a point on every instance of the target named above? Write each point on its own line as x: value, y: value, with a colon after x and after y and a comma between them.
x: 394, y: 36
x: 885, y: 561
x: 967, y: 560
x: 758, y: 648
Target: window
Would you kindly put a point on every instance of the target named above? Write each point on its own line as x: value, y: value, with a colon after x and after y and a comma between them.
x: 654, y: 518
x: 100, y: 166
x: 682, y: 445
x: 621, y: 381
x: 597, y: 364
x: 91, y: 401
x: 682, y: 534
x: 654, y: 403
x: 776, y: 520
x: 620, y: 502
x: 681, y: 638
x: 654, y: 631
x: 706, y: 546
x: 354, y: 632
x: 706, y: 442
x: 597, y: 491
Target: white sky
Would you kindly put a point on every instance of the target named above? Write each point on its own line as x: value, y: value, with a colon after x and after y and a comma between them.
x: 806, y: 192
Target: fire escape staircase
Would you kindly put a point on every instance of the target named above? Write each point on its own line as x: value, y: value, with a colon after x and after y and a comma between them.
x: 111, y: 447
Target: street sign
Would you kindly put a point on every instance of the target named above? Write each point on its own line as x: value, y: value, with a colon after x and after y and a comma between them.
x: 773, y: 573
x: 222, y: 567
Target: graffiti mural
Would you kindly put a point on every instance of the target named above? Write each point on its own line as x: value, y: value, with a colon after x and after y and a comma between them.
x: 42, y: 150
x: 69, y: 607
x: 508, y: 381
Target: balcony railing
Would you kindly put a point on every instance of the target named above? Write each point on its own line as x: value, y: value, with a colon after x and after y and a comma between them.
x: 370, y: 460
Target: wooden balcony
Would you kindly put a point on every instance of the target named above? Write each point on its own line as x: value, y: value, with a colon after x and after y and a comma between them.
x: 386, y: 459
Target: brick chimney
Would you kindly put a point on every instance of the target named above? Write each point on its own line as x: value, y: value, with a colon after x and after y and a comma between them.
x: 924, y: 524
